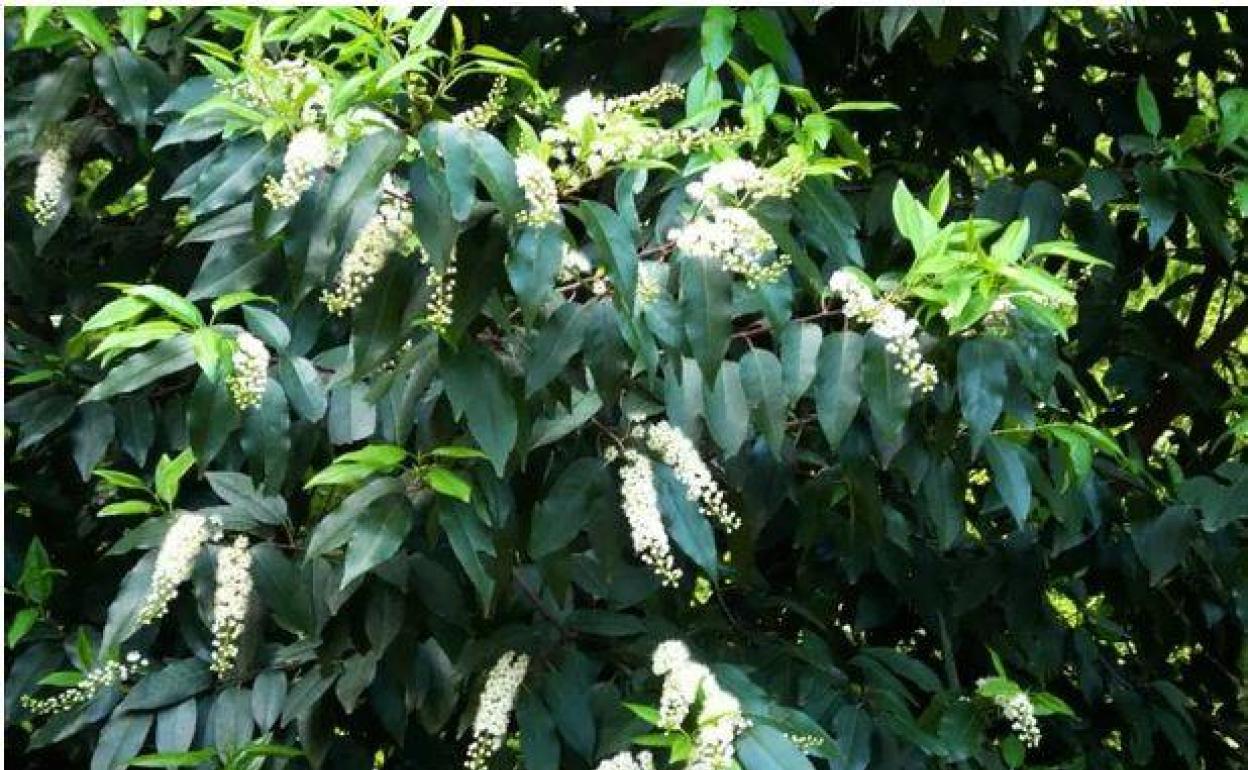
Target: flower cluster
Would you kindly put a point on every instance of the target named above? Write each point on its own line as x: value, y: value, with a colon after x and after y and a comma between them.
x: 388, y: 231
x: 1021, y: 714
x: 498, y: 698
x: 626, y: 760
x: 640, y: 502
x: 676, y: 450
x: 441, y: 281
x: 594, y: 134
x: 481, y: 116
x: 174, y: 561
x: 719, y: 720
x: 251, y: 371
x: 734, y: 238
x: 109, y: 674
x: 739, y: 180
x: 50, y: 177
x: 888, y: 322
x: 229, y: 604
x: 291, y: 87
x: 540, y: 192
x: 307, y: 153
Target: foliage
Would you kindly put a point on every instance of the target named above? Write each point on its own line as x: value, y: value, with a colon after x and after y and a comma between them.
x: 889, y: 359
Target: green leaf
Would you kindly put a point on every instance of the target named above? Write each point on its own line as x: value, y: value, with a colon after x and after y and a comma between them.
x: 377, y: 536
x: 237, y: 490
x: 171, y: 684
x: 1009, y: 476
x: 133, y: 24
x: 539, y: 743
x: 169, y: 474
x: 126, y: 508
x: 231, y: 266
x: 477, y: 386
x: 838, y: 384
x: 118, y: 311
x: 684, y: 520
x: 763, y: 383
x: 89, y: 26
x: 727, y: 412
x: 706, y: 311
x: 168, y: 356
x: 763, y: 747
x: 268, y: 696
x: 22, y: 622
x: 1233, y: 122
x: 982, y: 385
x: 132, y: 85
x: 35, y: 16
x: 303, y: 387
x: 718, y: 22
x: 1146, y: 105
x: 210, y: 417
x: 121, y: 740
x: 915, y: 223
x: 799, y: 357
x: 174, y: 758
x: 425, y: 26
x: 558, y: 340
x: 611, y: 234
x: 583, y: 492
x: 889, y: 397
x: 1163, y: 542
x: 1047, y: 704
x: 853, y: 738
x: 1009, y: 247
x: 447, y: 482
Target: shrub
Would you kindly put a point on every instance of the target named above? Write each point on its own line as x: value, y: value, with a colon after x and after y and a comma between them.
x: 379, y: 395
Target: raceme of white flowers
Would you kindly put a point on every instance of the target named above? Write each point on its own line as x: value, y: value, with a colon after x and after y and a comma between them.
x: 481, y: 116
x: 740, y: 181
x: 50, y: 178
x: 498, y: 699
x: 640, y: 502
x: 676, y: 450
x: 595, y: 134
x: 540, y: 194
x: 106, y: 675
x: 1017, y: 708
x: 251, y: 371
x: 307, y: 153
x: 734, y: 238
x: 283, y: 85
x: 719, y: 719
x: 890, y: 323
x: 649, y: 283
x: 229, y: 603
x: 174, y: 561
x: 388, y: 231
x: 441, y: 281
x: 626, y: 760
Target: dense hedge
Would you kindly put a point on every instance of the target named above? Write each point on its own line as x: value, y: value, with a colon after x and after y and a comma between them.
x: 606, y: 388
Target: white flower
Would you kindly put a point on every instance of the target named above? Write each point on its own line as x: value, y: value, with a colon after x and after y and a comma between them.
x: 174, y: 562
x: 307, y: 153
x: 50, y: 178
x: 890, y: 323
x: 251, y: 371
x: 440, y: 311
x: 676, y: 450
x: 498, y: 698
x: 738, y: 179
x: 719, y: 724
x: 626, y: 760
x: 720, y: 719
x: 640, y: 502
x: 649, y: 285
x: 1021, y: 714
x: 229, y: 604
x: 107, y: 674
x: 481, y: 116
x: 580, y: 108
x: 680, y: 690
x: 388, y: 231
x: 540, y: 193
x: 734, y: 238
